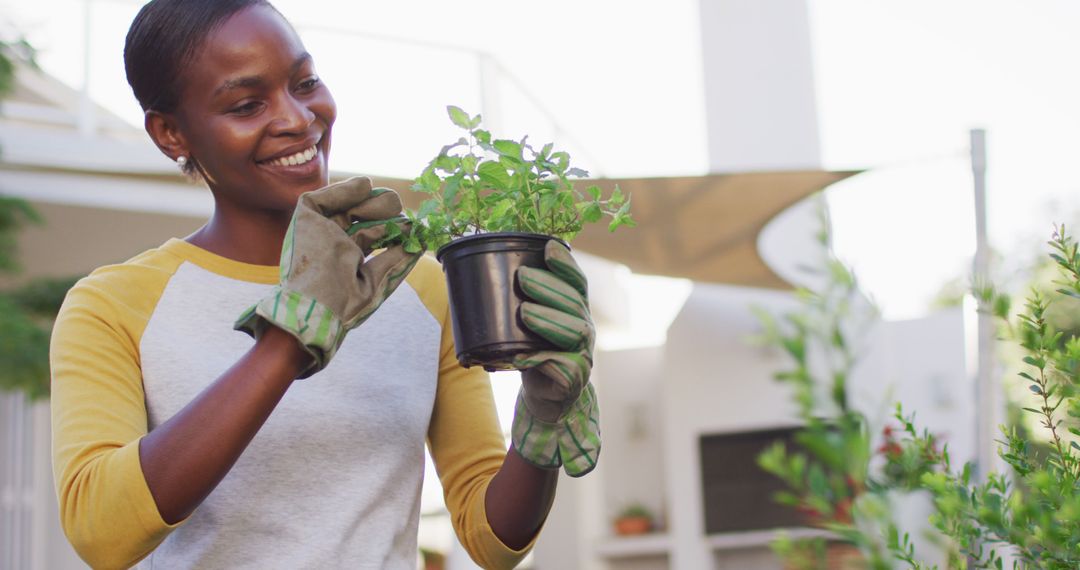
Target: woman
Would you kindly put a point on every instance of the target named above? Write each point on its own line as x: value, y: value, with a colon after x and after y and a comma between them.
x: 179, y: 442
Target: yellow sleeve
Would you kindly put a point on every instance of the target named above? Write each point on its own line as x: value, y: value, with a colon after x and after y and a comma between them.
x: 464, y: 436
x: 99, y: 415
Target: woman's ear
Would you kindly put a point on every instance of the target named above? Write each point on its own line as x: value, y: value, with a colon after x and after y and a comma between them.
x: 163, y: 130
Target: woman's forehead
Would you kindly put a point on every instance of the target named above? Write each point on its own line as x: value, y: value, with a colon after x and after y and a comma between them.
x: 256, y: 38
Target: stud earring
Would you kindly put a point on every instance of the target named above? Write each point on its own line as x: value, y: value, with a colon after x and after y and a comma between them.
x: 181, y: 161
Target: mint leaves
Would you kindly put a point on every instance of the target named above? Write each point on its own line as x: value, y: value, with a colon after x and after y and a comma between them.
x: 479, y: 184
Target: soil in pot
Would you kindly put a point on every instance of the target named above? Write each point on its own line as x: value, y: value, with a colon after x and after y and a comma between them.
x: 485, y: 297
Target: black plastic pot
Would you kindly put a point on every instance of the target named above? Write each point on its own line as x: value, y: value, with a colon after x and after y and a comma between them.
x: 484, y: 296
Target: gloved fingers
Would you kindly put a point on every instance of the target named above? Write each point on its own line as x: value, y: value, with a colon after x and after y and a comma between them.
x: 351, y: 200
x: 383, y: 204
x: 374, y: 234
x: 566, y: 331
x: 546, y: 382
x: 387, y: 269
x: 560, y: 262
x: 579, y: 438
x: 571, y: 440
x: 376, y: 279
x: 337, y: 198
x: 548, y: 390
x: 554, y: 376
x: 550, y: 290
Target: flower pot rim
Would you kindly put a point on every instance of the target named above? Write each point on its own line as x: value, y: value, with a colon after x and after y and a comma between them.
x: 495, y: 236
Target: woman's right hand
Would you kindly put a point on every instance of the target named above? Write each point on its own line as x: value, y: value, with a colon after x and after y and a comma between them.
x: 328, y: 285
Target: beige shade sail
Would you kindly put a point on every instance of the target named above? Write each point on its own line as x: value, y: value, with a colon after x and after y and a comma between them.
x: 703, y: 228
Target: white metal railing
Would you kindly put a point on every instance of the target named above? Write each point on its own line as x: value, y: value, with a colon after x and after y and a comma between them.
x: 16, y: 482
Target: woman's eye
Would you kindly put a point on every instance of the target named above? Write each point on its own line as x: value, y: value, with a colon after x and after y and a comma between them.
x: 309, y: 84
x: 245, y: 109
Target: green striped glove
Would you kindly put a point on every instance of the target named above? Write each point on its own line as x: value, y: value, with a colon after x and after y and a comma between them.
x: 328, y: 286
x: 556, y: 419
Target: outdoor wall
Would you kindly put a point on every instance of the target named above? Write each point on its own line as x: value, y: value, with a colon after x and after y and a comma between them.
x: 761, y: 110
x: 76, y: 239
x: 710, y: 379
x: 717, y: 382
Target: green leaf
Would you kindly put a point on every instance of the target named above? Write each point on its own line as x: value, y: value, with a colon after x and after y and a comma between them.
x: 616, y: 196
x: 561, y: 160
x: 493, y: 175
x: 447, y: 164
x: 591, y: 213
x: 450, y: 190
x: 507, y: 148
x: 428, y: 181
x: 468, y: 164
x: 1037, y: 362
x: 594, y: 191
x: 459, y: 117
x: 427, y: 207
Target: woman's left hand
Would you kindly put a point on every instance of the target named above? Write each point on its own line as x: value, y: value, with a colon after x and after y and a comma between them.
x: 556, y: 420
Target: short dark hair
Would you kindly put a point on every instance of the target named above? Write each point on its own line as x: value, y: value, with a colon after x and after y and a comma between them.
x: 163, y: 38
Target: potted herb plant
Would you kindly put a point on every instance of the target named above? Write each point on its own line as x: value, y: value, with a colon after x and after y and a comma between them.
x: 494, y: 205
x: 633, y: 519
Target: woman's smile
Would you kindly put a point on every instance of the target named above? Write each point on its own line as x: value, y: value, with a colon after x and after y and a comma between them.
x: 302, y: 164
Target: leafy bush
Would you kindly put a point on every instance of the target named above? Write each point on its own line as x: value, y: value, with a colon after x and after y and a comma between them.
x: 26, y: 313
x: 1030, y: 516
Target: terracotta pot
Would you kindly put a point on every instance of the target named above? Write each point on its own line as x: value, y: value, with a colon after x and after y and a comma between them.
x: 841, y: 556
x: 626, y: 526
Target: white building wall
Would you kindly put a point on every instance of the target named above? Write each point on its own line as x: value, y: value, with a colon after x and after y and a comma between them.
x: 716, y: 382
x: 761, y: 109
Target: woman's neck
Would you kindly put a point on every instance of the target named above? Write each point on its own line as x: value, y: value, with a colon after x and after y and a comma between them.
x: 249, y: 238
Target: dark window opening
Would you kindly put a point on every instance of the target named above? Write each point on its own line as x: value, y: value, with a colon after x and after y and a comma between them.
x: 738, y: 493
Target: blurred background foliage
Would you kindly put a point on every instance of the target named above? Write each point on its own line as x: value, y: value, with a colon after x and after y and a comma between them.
x: 27, y: 309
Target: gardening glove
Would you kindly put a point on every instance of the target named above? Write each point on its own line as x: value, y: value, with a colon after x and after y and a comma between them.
x: 557, y: 419
x: 328, y: 285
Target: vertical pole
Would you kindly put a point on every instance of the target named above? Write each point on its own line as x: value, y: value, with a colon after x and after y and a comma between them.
x: 489, y: 91
x: 86, y: 121
x: 986, y: 388
x: 7, y: 483
x: 18, y: 554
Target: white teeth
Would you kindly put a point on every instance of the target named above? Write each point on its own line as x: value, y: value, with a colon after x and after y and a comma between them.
x: 295, y: 159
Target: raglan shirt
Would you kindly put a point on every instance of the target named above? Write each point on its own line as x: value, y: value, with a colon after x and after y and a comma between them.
x: 333, y: 478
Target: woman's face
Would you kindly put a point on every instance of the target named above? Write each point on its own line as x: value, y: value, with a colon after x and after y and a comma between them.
x: 254, y: 115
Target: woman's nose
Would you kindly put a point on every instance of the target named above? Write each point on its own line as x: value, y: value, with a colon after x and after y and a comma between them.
x: 291, y: 115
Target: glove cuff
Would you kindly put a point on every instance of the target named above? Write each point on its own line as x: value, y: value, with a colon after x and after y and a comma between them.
x: 316, y: 327
x: 573, y: 442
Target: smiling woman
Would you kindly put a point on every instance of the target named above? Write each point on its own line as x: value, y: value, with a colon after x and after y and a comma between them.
x: 179, y: 442
x: 255, y: 121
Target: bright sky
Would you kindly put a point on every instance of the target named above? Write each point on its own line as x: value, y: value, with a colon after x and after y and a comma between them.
x: 899, y: 84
